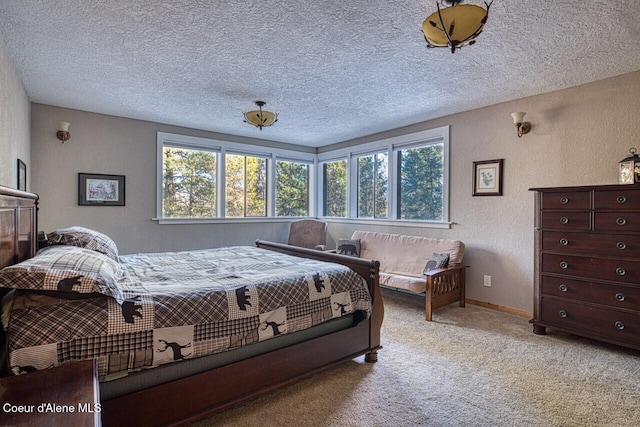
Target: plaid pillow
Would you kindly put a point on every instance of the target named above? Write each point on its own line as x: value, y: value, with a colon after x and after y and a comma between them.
x: 84, y: 238
x: 65, y: 269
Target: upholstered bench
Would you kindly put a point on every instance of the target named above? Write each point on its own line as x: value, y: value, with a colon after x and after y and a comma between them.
x: 403, y: 265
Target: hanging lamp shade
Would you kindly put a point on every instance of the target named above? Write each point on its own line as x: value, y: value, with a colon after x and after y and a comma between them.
x: 260, y: 118
x: 454, y: 26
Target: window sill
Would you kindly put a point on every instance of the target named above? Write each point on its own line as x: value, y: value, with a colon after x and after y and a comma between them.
x: 389, y: 222
x: 260, y: 220
x: 267, y: 220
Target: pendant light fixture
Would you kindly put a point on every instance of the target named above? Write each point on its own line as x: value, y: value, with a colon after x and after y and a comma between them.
x: 454, y: 25
x: 260, y: 118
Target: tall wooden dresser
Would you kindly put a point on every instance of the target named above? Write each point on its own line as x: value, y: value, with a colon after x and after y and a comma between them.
x: 587, y: 262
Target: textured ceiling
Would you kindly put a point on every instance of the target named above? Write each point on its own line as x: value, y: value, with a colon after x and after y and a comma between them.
x: 334, y: 70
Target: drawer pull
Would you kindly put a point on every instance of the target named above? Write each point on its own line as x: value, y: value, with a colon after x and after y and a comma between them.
x: 621, y: 199
x: 621, y: 221
x: 619, y: 325
x: 564, y: 220
x: 564, y: 200
x: 563, y: 288
x: 620, y: 296
x: 563, y: 314
x: 620, y: 271
x: 564, y: 242
x: 621, y: 245
x: 564, y: 265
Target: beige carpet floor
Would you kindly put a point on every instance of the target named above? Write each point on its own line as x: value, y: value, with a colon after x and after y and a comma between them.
x: 469, y: 367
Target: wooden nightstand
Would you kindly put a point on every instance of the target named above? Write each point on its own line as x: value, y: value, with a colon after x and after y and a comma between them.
x: 67, y: 396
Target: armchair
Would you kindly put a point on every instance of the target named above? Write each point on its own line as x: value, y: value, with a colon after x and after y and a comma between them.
x: 308, y: 233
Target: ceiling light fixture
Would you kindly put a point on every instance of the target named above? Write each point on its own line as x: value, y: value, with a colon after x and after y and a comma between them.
x: 455, y: 25
x: 260, y: 118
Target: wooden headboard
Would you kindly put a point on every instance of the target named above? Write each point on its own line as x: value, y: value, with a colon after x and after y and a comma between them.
x: 18, y: 225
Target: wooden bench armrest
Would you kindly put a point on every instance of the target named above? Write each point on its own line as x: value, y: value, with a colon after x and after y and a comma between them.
x: 445, y: 271
x: 444, y: 286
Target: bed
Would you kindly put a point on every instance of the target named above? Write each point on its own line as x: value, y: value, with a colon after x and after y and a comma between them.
x: 276, y: 353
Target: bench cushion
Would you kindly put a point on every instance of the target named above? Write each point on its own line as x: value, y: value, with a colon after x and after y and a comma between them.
x: 408, y: 283
x: 405, y: 256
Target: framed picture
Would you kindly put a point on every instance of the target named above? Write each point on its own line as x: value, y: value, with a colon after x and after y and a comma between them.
x: 100, y: 190
x: 22, y: 175
x: 487, y: 178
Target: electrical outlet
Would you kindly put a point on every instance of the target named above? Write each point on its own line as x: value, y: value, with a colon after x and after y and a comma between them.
x: 487, y: 280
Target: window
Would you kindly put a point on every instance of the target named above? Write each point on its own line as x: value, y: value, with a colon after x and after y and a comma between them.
x: 292, y: 188
x: 207, y: 180
x: 246, y: 186
x: 188, y: 183
x: 402, y: 178
x: 421, y: 182
x: 334, y: 188
x: 372, y: 186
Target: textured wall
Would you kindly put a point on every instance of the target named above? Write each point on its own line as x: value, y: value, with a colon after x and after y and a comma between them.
x: 578, y: 137
x: 14, y: 122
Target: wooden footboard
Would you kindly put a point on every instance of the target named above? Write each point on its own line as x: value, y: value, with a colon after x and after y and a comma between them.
x: 444, y: 286
x: 202, y: 394
x: 368, y: 269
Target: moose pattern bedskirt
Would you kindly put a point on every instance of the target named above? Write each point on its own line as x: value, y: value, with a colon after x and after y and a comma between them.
x: 181, y: 305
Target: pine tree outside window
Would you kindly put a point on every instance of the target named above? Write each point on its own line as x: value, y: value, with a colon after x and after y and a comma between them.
x: 246, y: 186
x: 334, y: 188
x: 421, y: 183
x: 292, y: 188
x: 189, y: 183
x: 372, y: 186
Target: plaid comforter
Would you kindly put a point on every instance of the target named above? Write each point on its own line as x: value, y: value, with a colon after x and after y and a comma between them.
x: 179, y: 306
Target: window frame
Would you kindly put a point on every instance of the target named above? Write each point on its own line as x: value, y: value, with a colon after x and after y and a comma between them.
x: 322, y: 187
x: 356, y: 164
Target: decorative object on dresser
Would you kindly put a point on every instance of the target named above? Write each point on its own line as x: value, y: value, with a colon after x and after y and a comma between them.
x: 100, y: 190
x: 22, y: 176
x: 587, y: 262
x: 629, y: 168
x: 487, y: 178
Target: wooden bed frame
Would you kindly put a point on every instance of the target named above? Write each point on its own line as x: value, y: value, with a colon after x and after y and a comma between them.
x: 200, y: 395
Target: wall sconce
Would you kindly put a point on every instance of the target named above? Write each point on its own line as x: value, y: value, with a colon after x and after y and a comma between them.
x: 63, y: 131
x: 523, y: 128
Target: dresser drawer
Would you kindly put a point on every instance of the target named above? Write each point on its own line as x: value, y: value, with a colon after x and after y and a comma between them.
x: 578, y: 221
x: 624, y: 199
x: 616, y: 270
x: 616, y: 296
x: 609, y: 323
x: 591, y: 243
x: 623, y: 222
x: 566, y: 200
